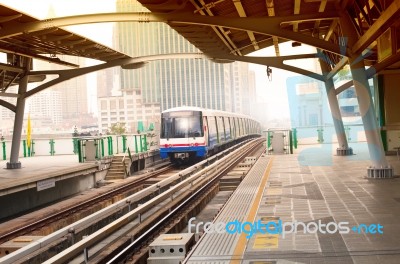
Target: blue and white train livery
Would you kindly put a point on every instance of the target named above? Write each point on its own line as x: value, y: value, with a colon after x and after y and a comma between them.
x: 192, y: 133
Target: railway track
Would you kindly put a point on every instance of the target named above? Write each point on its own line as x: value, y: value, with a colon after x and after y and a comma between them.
x: 82, y: 206
x: 136, y: 213
x: 137, y: 251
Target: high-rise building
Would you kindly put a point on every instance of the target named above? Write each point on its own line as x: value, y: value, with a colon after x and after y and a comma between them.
x: 240, y: 88
x: 73, y: 93
x: 160, y: 85
x: 47, y: 105
x: 172, y: 82
x: 6, y: 115
x: 105, y: 82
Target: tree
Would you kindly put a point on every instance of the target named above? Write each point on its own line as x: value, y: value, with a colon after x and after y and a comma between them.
x: 118, y: 128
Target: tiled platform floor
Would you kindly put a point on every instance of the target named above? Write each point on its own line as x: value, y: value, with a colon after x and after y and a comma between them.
x: 336, y: 192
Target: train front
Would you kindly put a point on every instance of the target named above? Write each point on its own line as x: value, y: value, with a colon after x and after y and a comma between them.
x: 182, y: 136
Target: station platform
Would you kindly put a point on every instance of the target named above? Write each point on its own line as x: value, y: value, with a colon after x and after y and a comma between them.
x: 43, y: 180
x: 361, y: 215
x: 36, y: 169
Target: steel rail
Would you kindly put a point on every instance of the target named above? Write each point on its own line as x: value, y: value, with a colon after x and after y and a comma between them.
x: 121, y: 256
x: 60, y: 214
x: 102, y: 233
x: 70, y: 229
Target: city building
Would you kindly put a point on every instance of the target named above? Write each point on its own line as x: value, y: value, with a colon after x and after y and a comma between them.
x: 140, y: 95
x: 127, y: 110
x: 240, y: 89
x: 179, y: 82
x: 47, y: 105
x: 73, y: 95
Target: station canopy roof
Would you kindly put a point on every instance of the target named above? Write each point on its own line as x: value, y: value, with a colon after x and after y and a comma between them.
x: 46, y: 44
x: 319, y: 19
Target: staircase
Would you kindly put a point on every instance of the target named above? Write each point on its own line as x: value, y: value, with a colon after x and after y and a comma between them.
x: 116, y: 170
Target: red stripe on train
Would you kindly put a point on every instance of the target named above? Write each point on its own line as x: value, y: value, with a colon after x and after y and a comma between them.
x: 186, y: 145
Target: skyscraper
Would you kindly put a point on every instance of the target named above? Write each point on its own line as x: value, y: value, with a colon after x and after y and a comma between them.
x: 72, y: 93
x: 240, y: 87
x: 173, y: 82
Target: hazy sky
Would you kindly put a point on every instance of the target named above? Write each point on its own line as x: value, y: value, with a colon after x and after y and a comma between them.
x: 274, y: 92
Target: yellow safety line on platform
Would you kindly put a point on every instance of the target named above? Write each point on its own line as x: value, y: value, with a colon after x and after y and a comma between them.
x: 241, y: 244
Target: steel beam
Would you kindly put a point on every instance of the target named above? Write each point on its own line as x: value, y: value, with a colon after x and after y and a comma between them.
x: 255, y: 24
x: 379, y: 26
x: 334, y: 106
x: 344, y: 87
x: 337, y: 68
x: 276, y: 62
x: 8, y: 105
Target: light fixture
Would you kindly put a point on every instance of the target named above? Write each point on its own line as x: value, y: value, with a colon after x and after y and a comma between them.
x: 296, y: 44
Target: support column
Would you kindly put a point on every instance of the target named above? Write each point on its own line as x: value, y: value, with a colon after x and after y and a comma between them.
x: 343, y: 149
x: 367, y: 112
x: 19, y: 118
x: 380, y: 168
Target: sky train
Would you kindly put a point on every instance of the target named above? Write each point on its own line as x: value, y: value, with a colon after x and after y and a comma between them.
x: 192, y: 133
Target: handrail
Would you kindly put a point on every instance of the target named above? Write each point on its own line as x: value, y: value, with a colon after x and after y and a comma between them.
x: 124, y: 163
x: 129, y: 154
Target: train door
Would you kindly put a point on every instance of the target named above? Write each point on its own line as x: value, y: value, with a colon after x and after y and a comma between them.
x: 206, y: 131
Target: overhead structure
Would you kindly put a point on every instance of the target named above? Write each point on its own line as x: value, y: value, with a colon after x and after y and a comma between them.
x: 311, y: 22
x: 361, y: 33
x: 45, y: 44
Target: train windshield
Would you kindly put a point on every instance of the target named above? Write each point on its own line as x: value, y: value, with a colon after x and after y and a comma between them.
x: 181, y: 124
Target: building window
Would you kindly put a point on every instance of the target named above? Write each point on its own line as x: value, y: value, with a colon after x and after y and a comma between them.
x: 113, y: 105
x: 103, y: 105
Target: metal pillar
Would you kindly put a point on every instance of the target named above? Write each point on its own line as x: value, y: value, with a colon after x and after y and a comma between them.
x: 19, y: 118
x: 3, y: 143
x: 380, y: 168
x: 343, y: 149
x: 367, y: 112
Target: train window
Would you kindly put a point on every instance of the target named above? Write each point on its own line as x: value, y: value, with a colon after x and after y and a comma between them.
x: 221, y: 132
x: 227, y: 125
x: 233, y: 128
x: 238, y: 127
x: 181, y: 126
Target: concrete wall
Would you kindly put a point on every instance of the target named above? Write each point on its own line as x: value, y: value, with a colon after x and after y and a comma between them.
x: 392, y: 98
x: 29, y: 199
